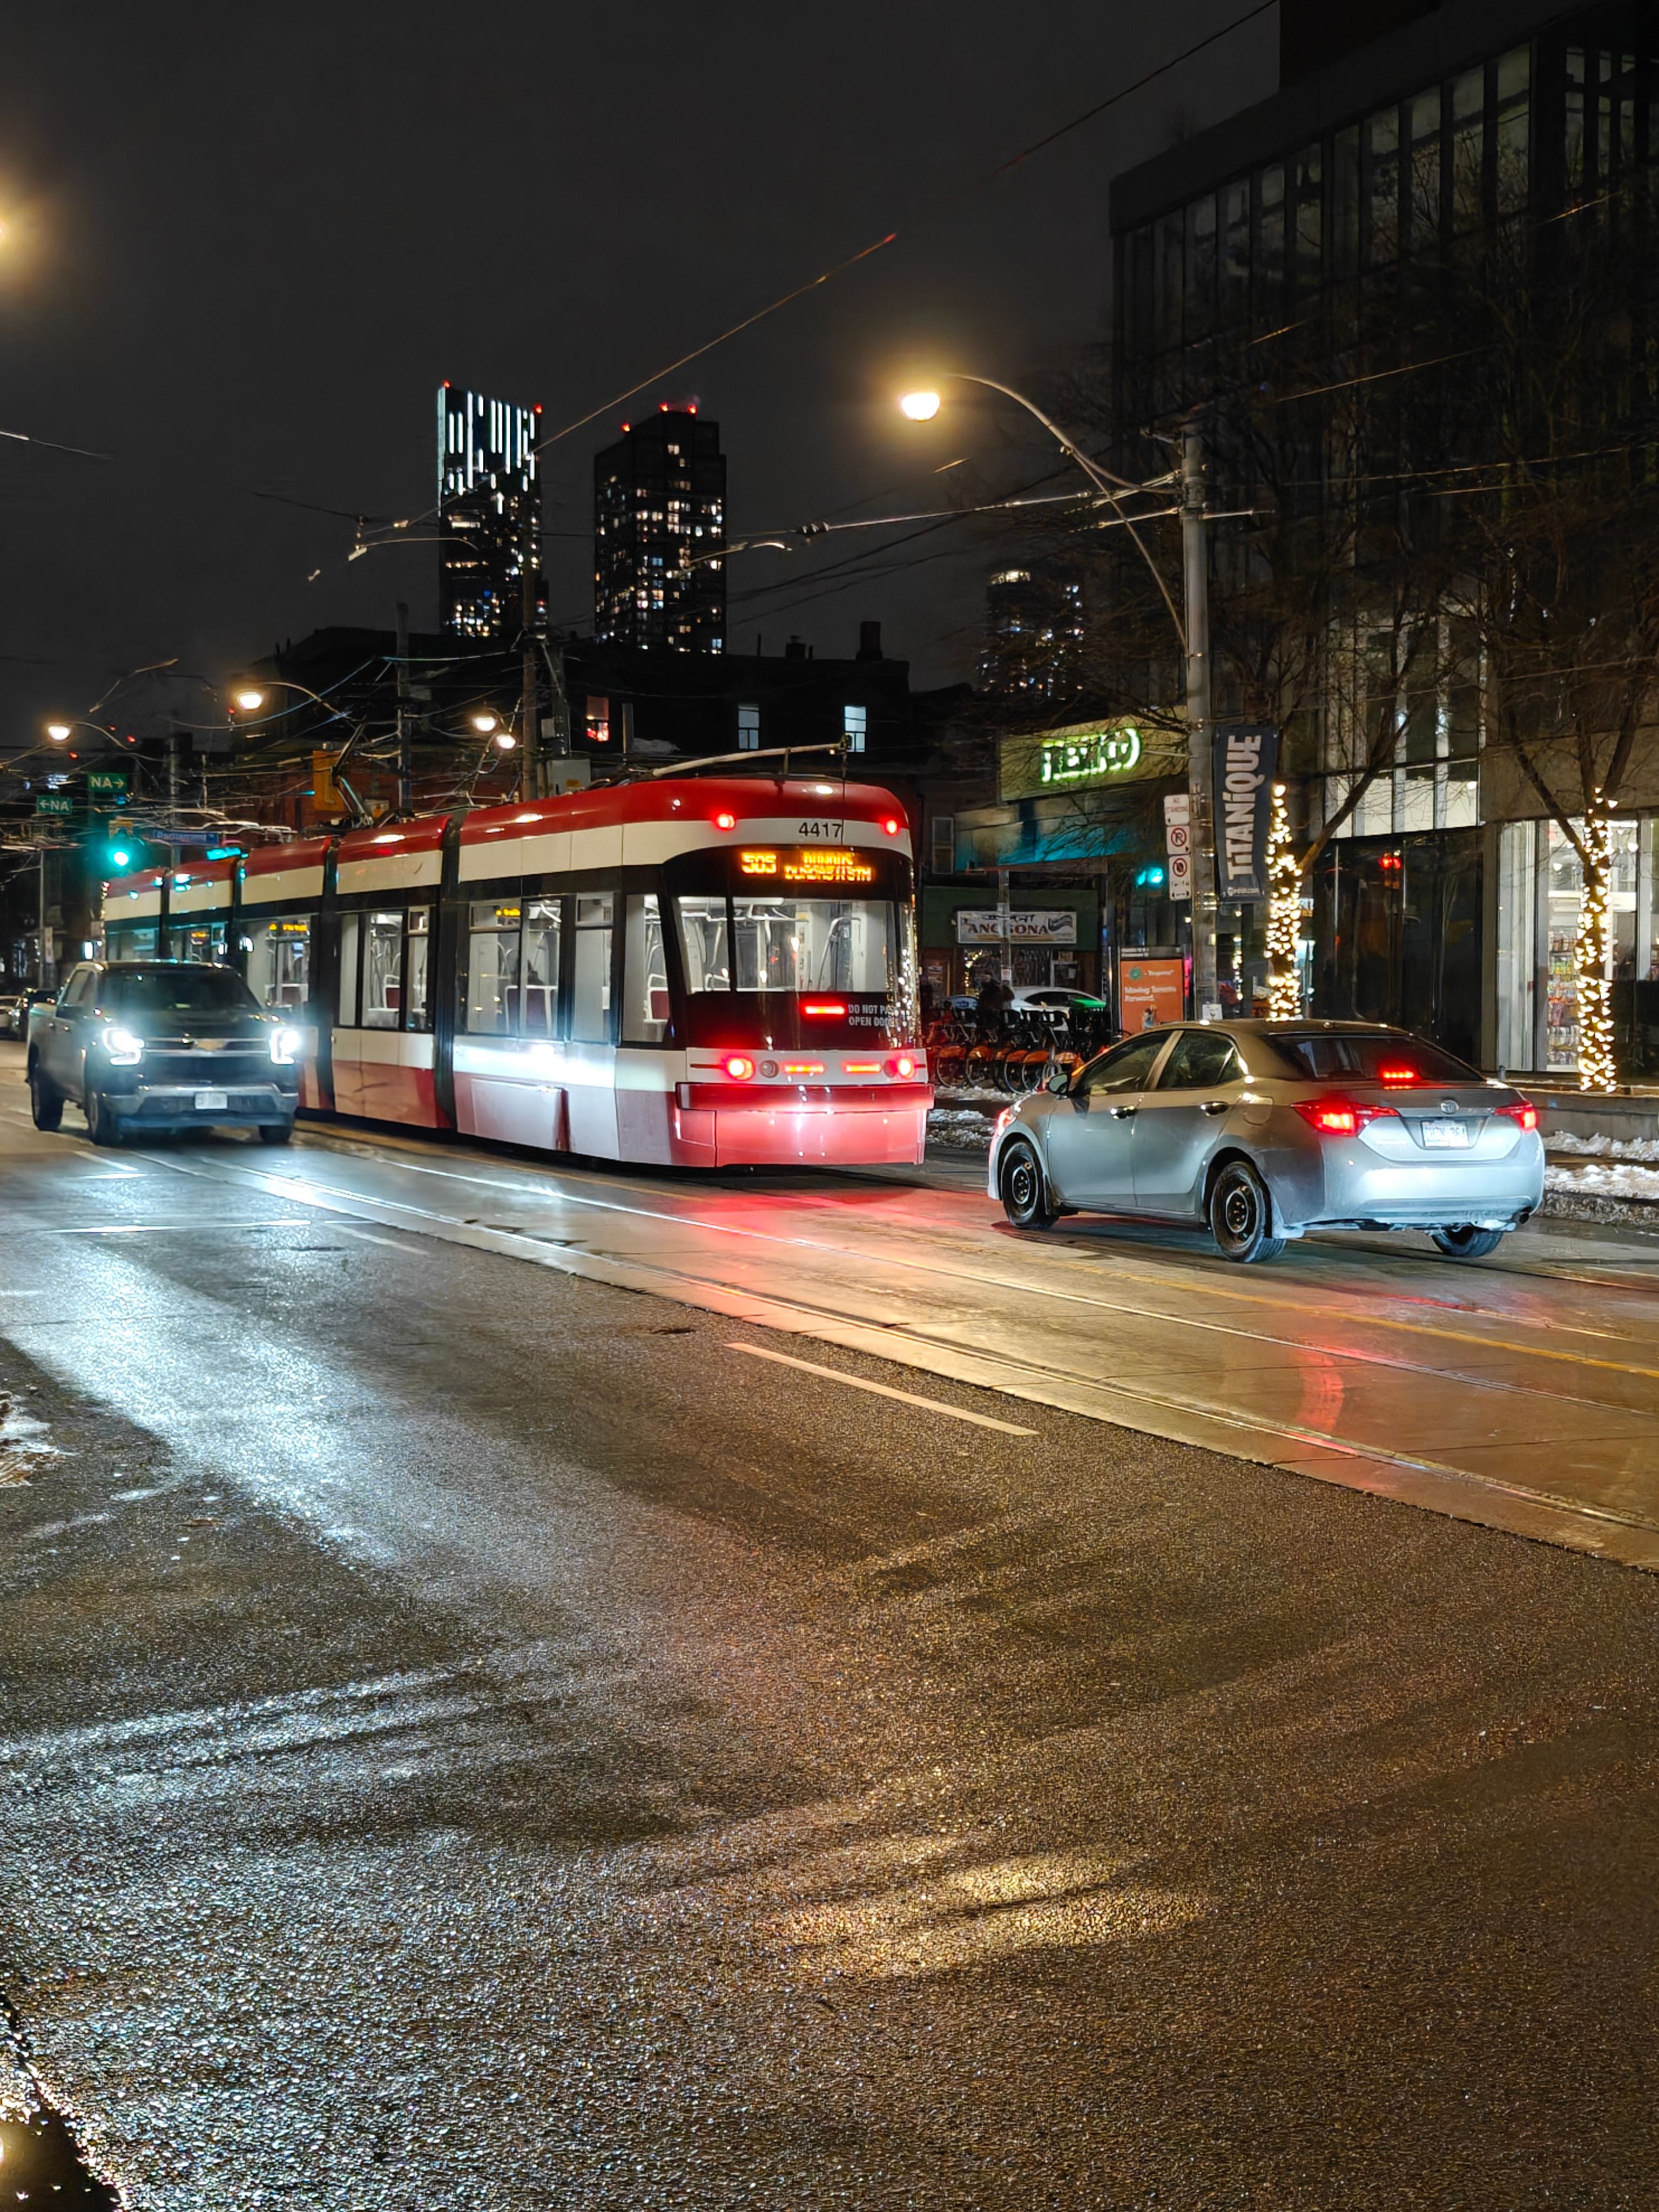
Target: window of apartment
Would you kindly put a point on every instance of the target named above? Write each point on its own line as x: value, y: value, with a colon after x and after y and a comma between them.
x: 596, y: 721
x: 747, y: 729
x: 1468, y: 118
x: 1235, y: 254
x: 1308, y: 216
x: 853, y: 728
x: 1200, y: 265
x: 942, y: 843
x: 1345, y: 201
x: 1423, y: 181
x: 1268, y: 257
x: 1382, y: 189
x: 1171, y: 232
x: 1514, y: 76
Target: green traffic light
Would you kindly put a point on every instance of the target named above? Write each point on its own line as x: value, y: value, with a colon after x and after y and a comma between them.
x: 120, y: 856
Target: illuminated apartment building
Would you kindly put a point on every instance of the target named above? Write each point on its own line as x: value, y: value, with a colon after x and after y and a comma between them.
x: 660, y: 536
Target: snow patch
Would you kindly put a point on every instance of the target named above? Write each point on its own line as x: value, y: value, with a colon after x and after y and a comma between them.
x: 1620, y: 1182
x: 1602, y: 1146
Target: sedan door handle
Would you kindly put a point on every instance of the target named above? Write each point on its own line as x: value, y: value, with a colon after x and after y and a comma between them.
x: 1121, y: 1113
x: 1213, y: 1106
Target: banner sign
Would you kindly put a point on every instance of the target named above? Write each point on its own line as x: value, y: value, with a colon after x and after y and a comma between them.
x: 1246, y: 763
x: 1026, y: 926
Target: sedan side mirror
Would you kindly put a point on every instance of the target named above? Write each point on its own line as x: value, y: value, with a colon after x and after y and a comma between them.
x: 1058, y: 1079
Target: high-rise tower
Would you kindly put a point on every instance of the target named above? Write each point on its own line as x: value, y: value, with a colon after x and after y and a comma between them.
x: 489, y: 513
x: 660, y: 536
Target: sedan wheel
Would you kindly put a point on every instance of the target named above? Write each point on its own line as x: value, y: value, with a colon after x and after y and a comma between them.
x: 1025, y: 1198
x: 1241, y: 1215
x: 1466, y: 1243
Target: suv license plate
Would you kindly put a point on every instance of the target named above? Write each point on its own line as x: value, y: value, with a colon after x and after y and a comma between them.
x: 1446, y: 1136
x: 207, y: 1100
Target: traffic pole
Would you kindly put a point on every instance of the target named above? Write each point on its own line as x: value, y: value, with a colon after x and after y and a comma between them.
x: 1207, y: 1005
x: 405, y: 768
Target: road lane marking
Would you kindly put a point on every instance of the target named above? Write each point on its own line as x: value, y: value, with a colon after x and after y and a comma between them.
x: 350, y: 1229
x: 882, y: 1389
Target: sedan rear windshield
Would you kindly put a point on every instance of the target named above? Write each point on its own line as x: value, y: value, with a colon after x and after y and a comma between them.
x: 1372, y: 1056
x: 183, y: 990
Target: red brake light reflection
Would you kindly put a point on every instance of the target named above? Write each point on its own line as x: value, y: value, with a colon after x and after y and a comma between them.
x: 739, y: 1066
x: 827, y: 1006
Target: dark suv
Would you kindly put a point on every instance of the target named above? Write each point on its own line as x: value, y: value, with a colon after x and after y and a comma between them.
x: 162, y: 1044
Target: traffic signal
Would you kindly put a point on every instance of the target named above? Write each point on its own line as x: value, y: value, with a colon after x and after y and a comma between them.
x: 120, y: 849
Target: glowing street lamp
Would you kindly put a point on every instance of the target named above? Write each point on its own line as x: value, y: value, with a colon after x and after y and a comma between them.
x: 1193, y: 631
x: 249, y: 701
x: 59, y: 733
x: 484, y: 722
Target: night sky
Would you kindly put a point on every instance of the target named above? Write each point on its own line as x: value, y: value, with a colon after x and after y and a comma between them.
x: 245, y: 244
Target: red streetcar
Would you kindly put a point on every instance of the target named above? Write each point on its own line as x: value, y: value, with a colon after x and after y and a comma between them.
x: 690, y: 971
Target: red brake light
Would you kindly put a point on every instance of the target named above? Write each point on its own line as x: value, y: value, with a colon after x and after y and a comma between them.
x: 1524, y: 1112
x: 892, y: 826
x: 826, y: 1006
x: 861, y: 1067
x: 1337, y: 1117
x: 803, y: 1068
x: 739, y: 1066
x: 904, y: 1066
x: 725, y: 820
x: 1397, y: 1074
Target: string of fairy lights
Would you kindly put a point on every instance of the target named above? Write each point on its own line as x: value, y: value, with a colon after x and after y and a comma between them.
x: 1284, y: 915
x: 1597, y: 1069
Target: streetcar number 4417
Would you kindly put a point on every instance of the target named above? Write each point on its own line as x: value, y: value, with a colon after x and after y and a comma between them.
x: 832, y: 833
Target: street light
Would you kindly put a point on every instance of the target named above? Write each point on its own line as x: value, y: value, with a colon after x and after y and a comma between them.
x: 484, y: 722
x: 59, y: 733
x: 921, y: 406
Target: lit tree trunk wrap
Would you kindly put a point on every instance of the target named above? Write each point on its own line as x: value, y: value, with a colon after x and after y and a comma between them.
x: 1284, y: 916
x: 1591, y: 953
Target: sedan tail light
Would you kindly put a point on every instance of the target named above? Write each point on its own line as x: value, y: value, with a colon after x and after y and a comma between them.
x: 1340, y: 1117
x: 1523, y: 1111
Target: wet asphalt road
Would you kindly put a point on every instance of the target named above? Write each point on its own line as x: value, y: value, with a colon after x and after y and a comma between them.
x: 469, y: 1737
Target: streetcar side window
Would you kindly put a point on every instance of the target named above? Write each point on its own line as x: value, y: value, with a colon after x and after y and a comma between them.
x: 704, y: 948
x: 417, y: 1003
x: 539, y: 1013
x: 347, y: 1016
x: 590, y: 997
x: 492, y: 968
x: 383, y: 949
x: 279, y: 961
x: 645, y: 975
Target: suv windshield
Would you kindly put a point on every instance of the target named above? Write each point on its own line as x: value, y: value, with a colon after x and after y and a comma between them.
x: 186, y: 989
x: 1372, y: 1056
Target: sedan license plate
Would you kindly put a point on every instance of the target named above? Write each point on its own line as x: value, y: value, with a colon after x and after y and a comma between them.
x: 207, y: 1100
x: 1446, y: 1136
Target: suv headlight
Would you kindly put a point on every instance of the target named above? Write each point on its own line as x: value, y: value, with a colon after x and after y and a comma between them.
x: 286, y: 1045
x: 123, y: 1049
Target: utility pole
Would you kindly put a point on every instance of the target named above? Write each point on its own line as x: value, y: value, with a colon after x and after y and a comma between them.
x: 1207, y: 1005
x: 48, y: 967
x: 529, y: 733
x: 406, y: 782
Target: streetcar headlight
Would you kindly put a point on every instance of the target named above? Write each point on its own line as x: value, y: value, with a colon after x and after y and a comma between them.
x: 286, y: 1045
x: 123, y: 1048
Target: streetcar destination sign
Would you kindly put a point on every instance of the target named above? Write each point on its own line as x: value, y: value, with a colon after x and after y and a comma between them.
x: 807, y: 865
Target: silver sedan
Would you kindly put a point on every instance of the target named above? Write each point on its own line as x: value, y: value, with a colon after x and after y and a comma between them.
x: 1266, y: 1130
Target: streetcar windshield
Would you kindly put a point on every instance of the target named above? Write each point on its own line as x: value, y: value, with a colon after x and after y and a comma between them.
x: 779, y: 942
